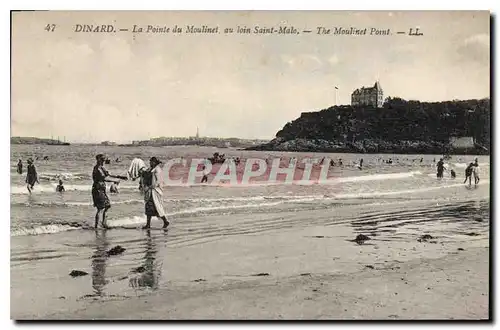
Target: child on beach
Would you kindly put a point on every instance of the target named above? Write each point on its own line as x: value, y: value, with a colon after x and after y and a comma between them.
x: 114, y: 188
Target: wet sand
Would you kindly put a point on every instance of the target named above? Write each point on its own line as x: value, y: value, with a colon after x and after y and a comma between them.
x: 283, y: 265
x: 450, y: 287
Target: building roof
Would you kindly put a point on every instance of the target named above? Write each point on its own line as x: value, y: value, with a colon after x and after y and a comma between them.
x: 368, y: 89
x: 462, y: 142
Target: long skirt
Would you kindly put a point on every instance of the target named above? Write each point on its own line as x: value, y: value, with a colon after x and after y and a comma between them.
x: 153, y: 204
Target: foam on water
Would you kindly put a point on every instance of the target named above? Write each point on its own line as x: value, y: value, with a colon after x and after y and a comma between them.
x: 252, y: 202
x: 464, y: 165
x: 69, y: 204
x: 399, y: 192
x: 370, y: 177
x: 43, y: 229
x: 123, y: 222
x: 374, y: 177
x: 41, y: 188
x: 51, y: 176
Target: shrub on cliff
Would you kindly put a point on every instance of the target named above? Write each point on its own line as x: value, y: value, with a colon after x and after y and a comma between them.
x: 398, y: 120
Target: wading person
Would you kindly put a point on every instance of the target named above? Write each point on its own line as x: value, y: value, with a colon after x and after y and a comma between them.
x: 204, y: 179
x: 440, y: 168
x: 153, y: 193
x: 475, y: 171
x: 60, y: 187
x: 101, y: 201
x: 468, y: 173
x: 31, y: 176
x: 20, y: 167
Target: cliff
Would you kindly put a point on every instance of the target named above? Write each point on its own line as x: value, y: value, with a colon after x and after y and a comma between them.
x: 400, y: 126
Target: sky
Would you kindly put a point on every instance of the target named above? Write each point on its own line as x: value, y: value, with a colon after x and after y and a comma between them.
x: 125, y: 86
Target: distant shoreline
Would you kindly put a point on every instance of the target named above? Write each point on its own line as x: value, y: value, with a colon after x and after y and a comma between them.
x: 264, y: 148
x: 39, y: 141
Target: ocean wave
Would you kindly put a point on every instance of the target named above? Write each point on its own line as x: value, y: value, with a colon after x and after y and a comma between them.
x: 262, y: 202
x: 44, y: 229
x: 370, y: 177
x: 398, y: 192
x: 41, y: 188
x: 376, y: 177
x: 177, y: 200
x: 70, y: 204
x: 464, y: 165
x: 127, y: 222
x: 68, y: 176
x: 134, y: 220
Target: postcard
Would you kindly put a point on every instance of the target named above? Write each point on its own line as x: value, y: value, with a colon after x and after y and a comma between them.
x: 250, y: 165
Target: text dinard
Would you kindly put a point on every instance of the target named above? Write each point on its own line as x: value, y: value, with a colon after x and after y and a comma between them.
x: 188, y: 29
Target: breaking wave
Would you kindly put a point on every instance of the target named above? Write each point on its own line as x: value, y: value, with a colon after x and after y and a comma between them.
x: 87, y: 187
x: 250, y: 203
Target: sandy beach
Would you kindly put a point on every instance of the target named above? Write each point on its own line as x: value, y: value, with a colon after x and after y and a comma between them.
x: 305, y: 271
x: 260, y: 251
x: 419, y: 289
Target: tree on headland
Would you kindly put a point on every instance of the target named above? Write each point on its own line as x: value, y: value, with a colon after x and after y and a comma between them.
x: 398, y: 120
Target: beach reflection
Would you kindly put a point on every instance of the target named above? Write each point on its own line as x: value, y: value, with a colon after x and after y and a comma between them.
x: 149, y: 272
x: 99, y: 259
x: 466, y: 215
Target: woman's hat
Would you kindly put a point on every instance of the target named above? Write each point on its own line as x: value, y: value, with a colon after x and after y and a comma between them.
x: 100, y: 156
x: 155, y: 160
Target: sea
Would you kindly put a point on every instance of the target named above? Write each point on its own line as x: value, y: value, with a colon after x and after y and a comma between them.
x: 52, y: 233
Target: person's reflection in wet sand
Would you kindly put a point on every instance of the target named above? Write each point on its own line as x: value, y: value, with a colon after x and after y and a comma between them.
x: 150, y: 270
x: 99, y: 263
x: 32, y: 200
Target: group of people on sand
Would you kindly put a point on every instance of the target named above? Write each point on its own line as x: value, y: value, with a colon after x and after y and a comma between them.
x: 150, y: 184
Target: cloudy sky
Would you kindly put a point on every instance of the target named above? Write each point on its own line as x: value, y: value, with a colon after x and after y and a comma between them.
x: 124, y: 86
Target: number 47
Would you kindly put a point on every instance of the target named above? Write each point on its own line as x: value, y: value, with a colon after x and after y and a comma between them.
x: 50, y: 27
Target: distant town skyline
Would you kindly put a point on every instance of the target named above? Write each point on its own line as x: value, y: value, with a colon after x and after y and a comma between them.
x: 93, y: 87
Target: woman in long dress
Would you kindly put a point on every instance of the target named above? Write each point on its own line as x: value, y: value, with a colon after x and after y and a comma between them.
x: 153, y: 193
